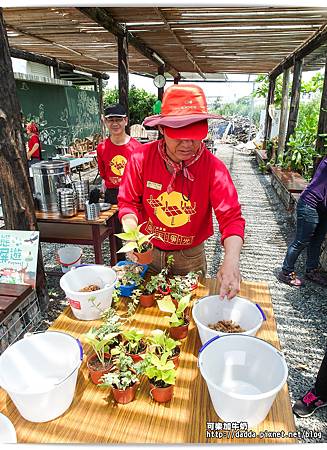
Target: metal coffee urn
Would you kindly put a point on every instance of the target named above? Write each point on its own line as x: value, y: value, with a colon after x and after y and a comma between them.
x: 48, y: 176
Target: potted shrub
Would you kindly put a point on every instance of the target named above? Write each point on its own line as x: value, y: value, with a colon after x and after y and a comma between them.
x: 122, y: 378
x: 178, y: 320
x: 159, y: 343
x: 129, y: 277
x: 139, y: 243
x: 99, y: 362
x: 161, y: 374
x: 134, y: 344
x: 162, y: 280
x: 183, y: 285
x: 147, y: 298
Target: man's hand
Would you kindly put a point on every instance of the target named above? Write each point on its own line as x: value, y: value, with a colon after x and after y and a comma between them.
x: 129, y: 222
x: 230, y: 279
x: 229, y: 273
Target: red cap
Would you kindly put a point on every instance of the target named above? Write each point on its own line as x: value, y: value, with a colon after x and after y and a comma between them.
x: 195, y: 131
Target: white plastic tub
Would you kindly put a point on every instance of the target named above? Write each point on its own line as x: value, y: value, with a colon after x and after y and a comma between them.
x: 39, y: 373
x: 243, y: 375
x: 89, y: 305
x: 212, y: 309
x: 69, y: 257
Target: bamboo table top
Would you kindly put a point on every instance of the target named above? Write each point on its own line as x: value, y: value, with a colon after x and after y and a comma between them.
x: 95, y: 418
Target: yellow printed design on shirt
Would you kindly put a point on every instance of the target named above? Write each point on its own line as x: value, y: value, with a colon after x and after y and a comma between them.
x: 172, y: 209
x: 118, y: 164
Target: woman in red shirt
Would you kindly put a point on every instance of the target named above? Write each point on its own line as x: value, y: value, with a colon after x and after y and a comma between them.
x: 34, y: 145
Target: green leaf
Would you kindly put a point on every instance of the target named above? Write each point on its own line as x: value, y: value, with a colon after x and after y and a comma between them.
x: 128, y: 247
x: 166, y: 305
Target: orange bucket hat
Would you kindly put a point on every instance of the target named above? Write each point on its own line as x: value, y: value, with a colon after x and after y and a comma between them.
x: 182, y: 105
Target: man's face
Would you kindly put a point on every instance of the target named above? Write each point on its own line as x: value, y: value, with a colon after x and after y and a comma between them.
x: 116, y: 125
x: 181, y: 149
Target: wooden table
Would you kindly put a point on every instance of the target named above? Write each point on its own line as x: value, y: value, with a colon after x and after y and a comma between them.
x: 77, y: 230
x: 94, y: 418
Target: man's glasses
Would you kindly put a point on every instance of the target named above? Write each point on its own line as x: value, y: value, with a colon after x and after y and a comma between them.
x: 115, y: 119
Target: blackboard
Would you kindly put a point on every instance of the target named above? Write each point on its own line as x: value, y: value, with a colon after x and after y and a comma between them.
x: 62, y: 113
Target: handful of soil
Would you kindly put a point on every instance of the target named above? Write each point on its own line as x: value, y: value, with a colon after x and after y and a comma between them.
x: 90, y: 288
x: 226, y: 326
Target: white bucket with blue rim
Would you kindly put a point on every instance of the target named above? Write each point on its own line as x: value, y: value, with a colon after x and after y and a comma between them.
x: 243, y: 375
x: 40, y: 372
x: 211, y: 309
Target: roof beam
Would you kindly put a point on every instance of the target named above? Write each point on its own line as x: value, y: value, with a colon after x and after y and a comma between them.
x: 34, y: 57
x: 103, y: 18
x: 317, y: 40
x: 56, y: 44
x: 187, y: 53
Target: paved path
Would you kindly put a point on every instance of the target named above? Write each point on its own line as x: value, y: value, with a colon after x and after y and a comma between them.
x: 300, y: 313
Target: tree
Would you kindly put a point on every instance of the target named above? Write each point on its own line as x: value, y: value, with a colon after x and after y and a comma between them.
x: 140, y: 102
x: 16, y: 194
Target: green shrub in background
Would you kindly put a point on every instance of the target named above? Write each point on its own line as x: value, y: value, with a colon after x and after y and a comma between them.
x: 139, y: 100
x: 300, y: 154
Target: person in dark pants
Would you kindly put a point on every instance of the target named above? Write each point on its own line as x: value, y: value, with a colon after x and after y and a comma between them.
x: 316, y: 397
x: 113, y: 154
x: 311, y: 229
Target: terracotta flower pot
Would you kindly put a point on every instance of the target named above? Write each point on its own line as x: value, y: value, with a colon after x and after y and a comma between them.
x: 179, y: 332
x: 125, y: 396
x: 96, y: 369
x: 145, y: 257
x: 161, y: 394
x: 147, y: 300
x: 175, y: 358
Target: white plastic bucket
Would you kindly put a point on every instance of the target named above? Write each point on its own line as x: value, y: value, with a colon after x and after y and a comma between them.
x: 39, y: 373
x: 212, y: 309
x: 69, y: 257
x: 243, y: 375
x: 89, y: 305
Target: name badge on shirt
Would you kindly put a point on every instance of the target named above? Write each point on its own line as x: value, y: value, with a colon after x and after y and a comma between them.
x: 153, y: 185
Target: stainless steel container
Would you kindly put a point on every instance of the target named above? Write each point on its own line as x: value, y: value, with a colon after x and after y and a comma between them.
x: 48, y: 176
x: 92, y: 210
x: 82, y: 193
x: 67, y: 202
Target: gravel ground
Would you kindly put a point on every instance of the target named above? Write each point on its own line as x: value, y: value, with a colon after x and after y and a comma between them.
x: 300, y: 313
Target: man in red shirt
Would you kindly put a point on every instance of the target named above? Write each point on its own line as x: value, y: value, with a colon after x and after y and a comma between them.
x: 114, y: 151
x: 173, y: 184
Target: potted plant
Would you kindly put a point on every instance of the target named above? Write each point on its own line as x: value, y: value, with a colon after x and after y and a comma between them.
x: 162, y: 280
x: 148, y: 289
x: 161, y: 374
x: 102, y: 339
x: 134, y: 344
x: 178, y: 320
x: 100, y: 361
x: 122, y: 378
x: 183, y: 285
x: 159, y: 343
x: 139, y: 243
x: 129, y: 276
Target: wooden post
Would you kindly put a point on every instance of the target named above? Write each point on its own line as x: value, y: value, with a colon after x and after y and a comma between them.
x: 101, y: 107
x: 161, y: 71
x: 295, y: 100
x: 268, y: 120
x: 123, y: 72
x: 16, y: 195
x: 283, y: 113
x: 322, y: 123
